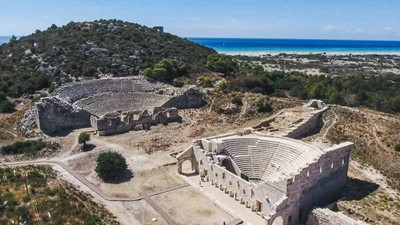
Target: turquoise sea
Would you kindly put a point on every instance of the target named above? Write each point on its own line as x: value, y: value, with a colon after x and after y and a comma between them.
x: 250, y: 46
x: 253, y: 46
x: 4, y: 39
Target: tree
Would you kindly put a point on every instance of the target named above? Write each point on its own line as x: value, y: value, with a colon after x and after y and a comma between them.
x: 317, y: 90
x: 362, y: 97
x: 397, y: 147
x: 13, y: 38
x: 332, y: 95
x: 110, y: 165
x: 264, y: 105
x: 221, y: 64
x: 83, y: 138
x: 166, y: 70
x: 6, y: 106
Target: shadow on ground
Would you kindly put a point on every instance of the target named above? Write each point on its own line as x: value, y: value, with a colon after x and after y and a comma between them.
x: 358, y: 189
x: 189, y: 174
x: 126, y: 176
x: 88, y: 147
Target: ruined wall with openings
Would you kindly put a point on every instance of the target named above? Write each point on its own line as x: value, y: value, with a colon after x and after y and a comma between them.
x: 123, y: 122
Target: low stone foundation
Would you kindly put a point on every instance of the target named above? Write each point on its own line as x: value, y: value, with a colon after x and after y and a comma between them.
x: 116, y: 123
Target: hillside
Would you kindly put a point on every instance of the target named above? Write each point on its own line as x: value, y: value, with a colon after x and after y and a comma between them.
x: 90, y: 49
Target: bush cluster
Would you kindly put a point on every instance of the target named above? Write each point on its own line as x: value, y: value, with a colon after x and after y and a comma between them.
x: 110, y: 166
x: 167, y: 70
x: 221, y: 64
x: 264, y: 105
x: 205, y: 81
x: 377, y: 92
x: 30, y: 148
x: 5, y: 104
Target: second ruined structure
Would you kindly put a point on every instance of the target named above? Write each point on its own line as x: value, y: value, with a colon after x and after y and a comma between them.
x: 114, y: 105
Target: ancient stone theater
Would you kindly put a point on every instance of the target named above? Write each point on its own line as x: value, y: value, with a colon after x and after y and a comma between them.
x: 279, y: 178
x: 114, y: 105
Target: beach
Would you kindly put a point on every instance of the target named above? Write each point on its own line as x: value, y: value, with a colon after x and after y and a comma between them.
x: 259, y: 47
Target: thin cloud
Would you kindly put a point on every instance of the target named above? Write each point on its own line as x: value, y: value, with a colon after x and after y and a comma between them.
x: 49, y: 17
x: 388, y: 29
x: 357, y: 31
x: 330, y: 29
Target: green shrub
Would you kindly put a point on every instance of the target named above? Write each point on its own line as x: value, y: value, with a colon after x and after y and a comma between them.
x: 223, y: 87
x: 205, y: 81
x: 83, y: 138
x: 110, y: 165
x: 177, y: 82
x: 263, y: 105
x: 237, y: 101
x: 397, y: 147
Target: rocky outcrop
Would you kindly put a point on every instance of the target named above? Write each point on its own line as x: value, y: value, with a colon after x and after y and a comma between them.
x: 190, y: 97
x: 28, y: 122
x: 327, y: 217
x: 53, y: 115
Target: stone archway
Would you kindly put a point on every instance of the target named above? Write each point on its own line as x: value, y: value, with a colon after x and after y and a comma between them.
x: 187, y: 167
x: 278, y: 221
x: 187, y: 155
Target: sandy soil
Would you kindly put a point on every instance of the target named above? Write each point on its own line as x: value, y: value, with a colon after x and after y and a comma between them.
x: 145, y: 214
x: 201, y: 210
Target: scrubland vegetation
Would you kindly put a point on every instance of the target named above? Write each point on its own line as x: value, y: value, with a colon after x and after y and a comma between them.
x: 48, y: 200
x: 28, y: 148
x: 89, y: 50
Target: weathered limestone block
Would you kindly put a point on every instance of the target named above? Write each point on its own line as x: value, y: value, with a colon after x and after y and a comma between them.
x: 327, y: 217
x: 53, y: 115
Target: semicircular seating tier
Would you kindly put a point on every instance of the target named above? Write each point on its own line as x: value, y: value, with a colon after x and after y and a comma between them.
x: 103, y: 103
x: 269, y: 158
x: 75, y: 92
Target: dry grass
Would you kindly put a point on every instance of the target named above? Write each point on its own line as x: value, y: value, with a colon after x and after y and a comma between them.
x: 374, y: 135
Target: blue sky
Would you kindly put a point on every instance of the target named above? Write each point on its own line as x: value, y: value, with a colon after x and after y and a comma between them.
x: 315, y: 19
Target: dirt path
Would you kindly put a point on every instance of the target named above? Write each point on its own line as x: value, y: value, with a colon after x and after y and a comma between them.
x: 326, y: 130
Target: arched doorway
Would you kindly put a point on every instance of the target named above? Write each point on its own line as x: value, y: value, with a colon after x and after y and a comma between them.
x: 187, y: 163
x: 228, y: 165
x: 278, y: 221
x: 187, y: 167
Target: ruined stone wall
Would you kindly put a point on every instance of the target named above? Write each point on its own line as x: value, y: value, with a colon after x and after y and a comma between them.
x: 54, y: 115
x: 319, y: 183
x: 119, y: 123
x: 306, y: 126
x: 327, y: 217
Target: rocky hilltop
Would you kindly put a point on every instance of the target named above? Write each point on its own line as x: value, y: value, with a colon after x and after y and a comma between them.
x: 90, y: 49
